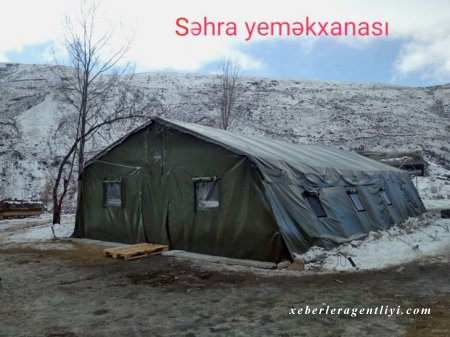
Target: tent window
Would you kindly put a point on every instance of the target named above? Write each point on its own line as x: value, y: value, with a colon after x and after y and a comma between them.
x: 386, y: 197
x: 206, y: 193
x: 316, y: 205
x: 112, y: 193
x: 356, y: 201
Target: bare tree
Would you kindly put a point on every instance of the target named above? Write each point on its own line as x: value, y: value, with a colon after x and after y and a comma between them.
x: 97, y: 89
x: 228, y: 91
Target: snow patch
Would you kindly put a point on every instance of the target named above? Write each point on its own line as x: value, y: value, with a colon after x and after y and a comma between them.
x: 415, y: 239
x: 43, y: 232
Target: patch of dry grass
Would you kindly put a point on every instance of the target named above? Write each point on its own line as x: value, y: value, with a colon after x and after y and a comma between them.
x: 80, y: 254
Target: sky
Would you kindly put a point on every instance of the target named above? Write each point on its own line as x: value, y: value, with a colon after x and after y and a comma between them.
x: 416, y: 52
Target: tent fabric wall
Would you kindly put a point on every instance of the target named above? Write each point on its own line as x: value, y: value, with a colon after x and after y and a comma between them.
x: 242, y: 226
x: 166, y: 161
x: 107, y: 223
x: 343, y: 221
x: 263, y: 213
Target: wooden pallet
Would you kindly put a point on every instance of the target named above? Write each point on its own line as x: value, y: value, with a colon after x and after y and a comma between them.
x: 131, y: 252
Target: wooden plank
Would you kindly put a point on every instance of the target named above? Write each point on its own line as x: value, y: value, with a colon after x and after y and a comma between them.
x: 112, y: 251
x: 135, y: 251
x: 6, y: 214
x: 138, y: 254
x: 21, y: 209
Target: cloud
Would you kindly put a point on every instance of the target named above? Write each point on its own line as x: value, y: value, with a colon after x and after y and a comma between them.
x: 30, y: 22
x: 3, y: 58
x: 187, y: 55
x: 422, y: 27
x: 427, y: 55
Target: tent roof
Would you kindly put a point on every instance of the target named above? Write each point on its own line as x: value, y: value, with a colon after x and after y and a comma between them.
x: 305, y: 158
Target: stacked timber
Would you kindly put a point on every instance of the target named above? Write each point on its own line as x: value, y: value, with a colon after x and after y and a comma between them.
x: 20, y: 208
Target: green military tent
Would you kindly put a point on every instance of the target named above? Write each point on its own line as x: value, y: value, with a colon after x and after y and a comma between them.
x: 212, y: 191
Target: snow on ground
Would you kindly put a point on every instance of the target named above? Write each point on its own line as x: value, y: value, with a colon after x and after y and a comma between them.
x: 415, y: 239
x: 25, y: 222
x: 431, y: 204
x: 44, y: 232
x: 36, y: 230
x: 434, y: 189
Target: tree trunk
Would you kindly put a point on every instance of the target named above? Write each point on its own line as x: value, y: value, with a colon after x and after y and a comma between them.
x: 56, y: 206
x: 56, y: 214
x: 82, y: 142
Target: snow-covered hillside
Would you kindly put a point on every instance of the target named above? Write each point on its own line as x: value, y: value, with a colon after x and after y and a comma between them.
x: 350, y: 116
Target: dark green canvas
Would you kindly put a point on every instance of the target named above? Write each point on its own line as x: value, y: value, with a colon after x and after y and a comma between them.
x: 216, y: 192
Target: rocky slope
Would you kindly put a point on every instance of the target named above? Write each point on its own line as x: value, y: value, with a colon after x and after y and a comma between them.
x: 346, y: 115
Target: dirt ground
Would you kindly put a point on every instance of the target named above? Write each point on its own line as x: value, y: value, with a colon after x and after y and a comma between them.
x: 78, y: 292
